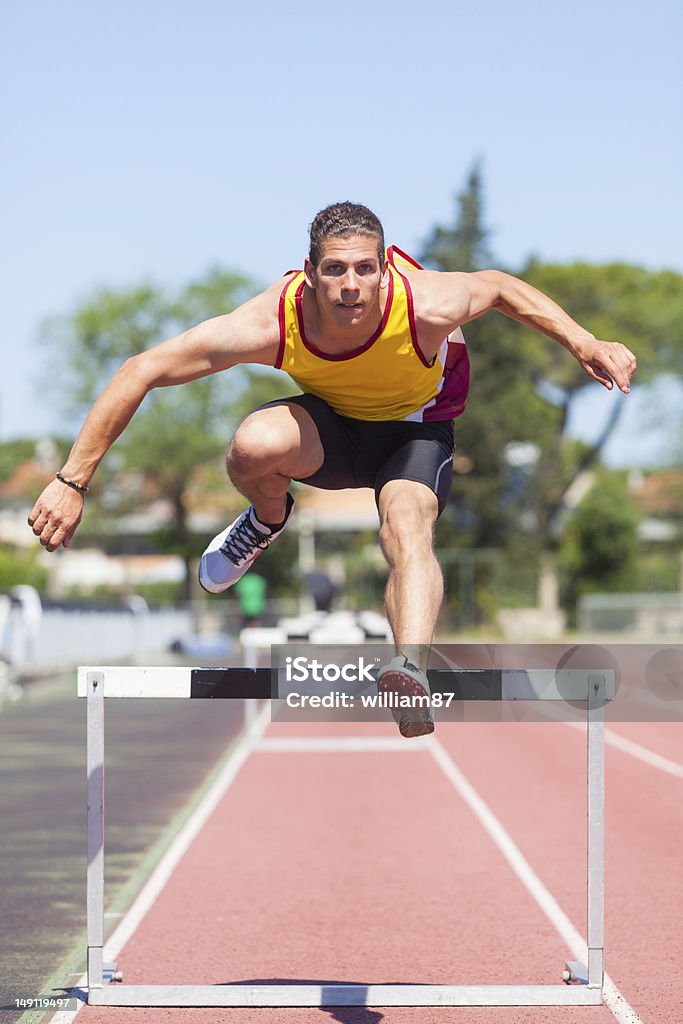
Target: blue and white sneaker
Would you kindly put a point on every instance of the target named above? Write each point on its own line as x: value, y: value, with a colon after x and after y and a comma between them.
x: 403, y: 679
x: 230, y: 554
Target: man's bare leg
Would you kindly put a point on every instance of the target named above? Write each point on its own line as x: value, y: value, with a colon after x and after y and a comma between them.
x: 408, y: 511
x: 270, y: 448
x: 414, y: 593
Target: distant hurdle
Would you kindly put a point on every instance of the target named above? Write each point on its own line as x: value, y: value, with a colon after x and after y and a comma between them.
x: 582, y: 984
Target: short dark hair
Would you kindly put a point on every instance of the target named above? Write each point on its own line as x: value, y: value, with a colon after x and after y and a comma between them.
x: 343, y: 220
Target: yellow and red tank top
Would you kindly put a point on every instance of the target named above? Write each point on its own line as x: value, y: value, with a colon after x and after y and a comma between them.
x: 386, y: 378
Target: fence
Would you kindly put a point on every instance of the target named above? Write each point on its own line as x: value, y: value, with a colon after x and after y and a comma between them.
x: 655, y: 615
x: 64, y: 635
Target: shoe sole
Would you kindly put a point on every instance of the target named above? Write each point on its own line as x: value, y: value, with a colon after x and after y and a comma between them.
x: 207, y: 584
x: 411, y: 723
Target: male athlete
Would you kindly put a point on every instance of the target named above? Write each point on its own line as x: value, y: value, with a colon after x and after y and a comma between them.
x: 374, y: 342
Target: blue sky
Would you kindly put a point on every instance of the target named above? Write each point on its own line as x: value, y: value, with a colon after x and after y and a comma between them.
x: 153, y: 140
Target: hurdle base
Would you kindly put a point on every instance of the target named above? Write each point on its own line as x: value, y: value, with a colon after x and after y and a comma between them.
x: 575, y: 973
x: 111, y: 973
x: 345, y: 995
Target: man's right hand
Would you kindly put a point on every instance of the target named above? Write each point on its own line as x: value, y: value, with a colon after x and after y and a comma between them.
x: 56, y: 515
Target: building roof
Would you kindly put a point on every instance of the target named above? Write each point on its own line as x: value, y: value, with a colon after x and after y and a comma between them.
x: 659, y: 493
x: 349, y: 509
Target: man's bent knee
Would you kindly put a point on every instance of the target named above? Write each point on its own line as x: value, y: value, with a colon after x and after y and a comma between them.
x: 272, y: 440
x: 254, y: 442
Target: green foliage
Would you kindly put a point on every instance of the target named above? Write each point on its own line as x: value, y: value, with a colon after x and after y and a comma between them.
x: 599, y: 549
x: 12, y: 455
x: 85, y: 347
x: 659, y: 572
x: 19, y: 566
x: 261, y: 385
x: 95, y: 339
x: 279, y: 566
x: 214, y: 294
x: 641, y: 308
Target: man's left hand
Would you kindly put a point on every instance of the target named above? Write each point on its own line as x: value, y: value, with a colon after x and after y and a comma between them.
x: 608, y: 362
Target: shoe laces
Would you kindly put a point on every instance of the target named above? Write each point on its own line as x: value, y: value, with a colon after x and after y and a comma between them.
x: 244, y: 540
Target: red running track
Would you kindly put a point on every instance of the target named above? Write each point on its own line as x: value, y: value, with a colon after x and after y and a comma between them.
x: 369, y: 868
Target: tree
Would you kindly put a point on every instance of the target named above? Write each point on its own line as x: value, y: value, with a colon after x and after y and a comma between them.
x: 639, y: 307
x: 178, y: 431
x: 504, y: 406
x: 464, y: 245
x: 599, y: 549
x: 516, y: 467
x: 524, y: 389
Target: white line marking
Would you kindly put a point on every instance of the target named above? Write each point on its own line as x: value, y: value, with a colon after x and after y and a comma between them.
x: 338, y: 744
x: 639, y: 751
x: 168, y: 863
x: 613, y: 999
x: 185, y: 837
x: 621, y: 1009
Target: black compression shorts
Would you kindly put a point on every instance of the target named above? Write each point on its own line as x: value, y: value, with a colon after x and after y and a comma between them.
x: 370, y: 453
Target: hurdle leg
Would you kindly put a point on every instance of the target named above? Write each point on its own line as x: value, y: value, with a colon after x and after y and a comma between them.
x: 250, y: 704
x: 95, y: 821
x: 596, y: 830
x: 178, y: 683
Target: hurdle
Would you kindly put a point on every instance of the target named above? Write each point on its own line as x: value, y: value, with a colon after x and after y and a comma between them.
x: 582, y: 984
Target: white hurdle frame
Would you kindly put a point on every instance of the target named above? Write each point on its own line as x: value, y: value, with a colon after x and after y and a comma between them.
x: 593, y: 687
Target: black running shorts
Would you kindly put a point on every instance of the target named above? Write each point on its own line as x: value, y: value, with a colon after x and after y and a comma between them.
x: 370, y: 453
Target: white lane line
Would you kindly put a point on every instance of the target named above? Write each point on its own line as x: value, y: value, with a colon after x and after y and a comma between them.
x: 338, y: 744
x: 638, y: 750
x: 613, y: 999
x: 168, y: 863
x: 621, y: 1009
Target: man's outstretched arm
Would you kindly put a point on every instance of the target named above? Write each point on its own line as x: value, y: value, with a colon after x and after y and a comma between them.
x: 451, y: 300
x: 248, y: 335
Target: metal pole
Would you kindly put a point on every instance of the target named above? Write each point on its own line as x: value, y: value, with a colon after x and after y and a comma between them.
x: 306, y: 527
x: 596, y: 829
x: 251, y: 660
x: 95, y: 822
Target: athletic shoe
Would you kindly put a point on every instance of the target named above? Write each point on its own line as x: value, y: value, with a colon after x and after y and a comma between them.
x: 404, y: 679
x: 230, y: 554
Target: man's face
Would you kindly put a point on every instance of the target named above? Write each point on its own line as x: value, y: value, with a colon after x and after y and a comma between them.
x: 348, y: 279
